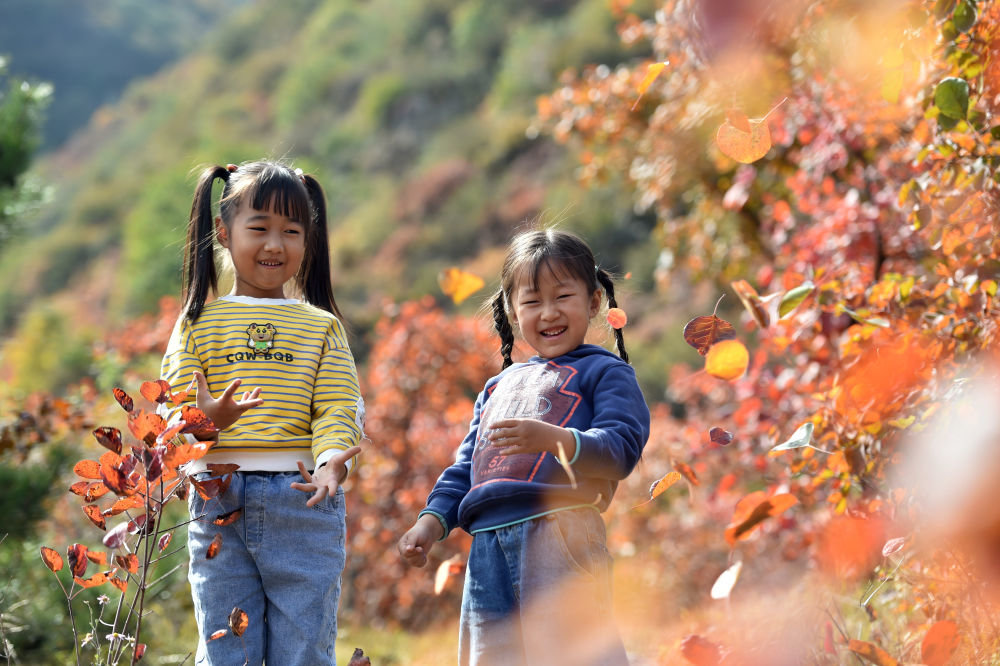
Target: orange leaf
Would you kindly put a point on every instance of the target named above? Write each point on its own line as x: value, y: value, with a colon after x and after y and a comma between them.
x: 617, y: 318
x: 197, y: 423
x: 120, y: 583
x: 751, y: 301
x: 653, y: 71
x: 727, y: 360
x: 52, y: 559
x: 95, y: 515
x: 128, y: 562
x: 703, y: 332
x: 871, y: 652
x: 238, y: 621
x: 124, y: 504
x: 109, y: 438
x: 745, y: 147
x: 93, y: 581
x: 700, y: 651
x: 77, y: 554
x: 849, y: 547
x: 146, y: 426
x: 724, y: 584
x: 98, y: 557
x: 658, y: 487
x: 939, y: 643
x: 210, y: 488
x: 752, y: 510
x: 88, y: 469
x: 124, y: 399
x: 219, y: 469
x: 165, y: 541
x: 95, y: 491
x: 140, y: 650
x: 228, y: 518
x: 218, y: 634
x: 80, y: 488
x: 178, y: 455
x: 739, y: 120
x: 213, y: 548
x: 450, y: 567
x: 459, y: 284
x: 157, y: 391
x: 687, y: 473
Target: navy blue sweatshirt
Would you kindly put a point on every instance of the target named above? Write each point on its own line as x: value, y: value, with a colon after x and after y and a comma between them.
x: 590, y: 391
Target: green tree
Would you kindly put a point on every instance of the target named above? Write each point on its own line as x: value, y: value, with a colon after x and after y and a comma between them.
x: 21, y: 106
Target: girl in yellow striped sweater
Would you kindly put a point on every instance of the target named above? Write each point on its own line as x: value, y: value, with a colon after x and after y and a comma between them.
x: 296, y: 431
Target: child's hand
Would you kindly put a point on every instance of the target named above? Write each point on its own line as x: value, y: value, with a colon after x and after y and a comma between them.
x: 224, y: 411
x: 530, y: 436
x: 325, y: 481
x: 416, y: 544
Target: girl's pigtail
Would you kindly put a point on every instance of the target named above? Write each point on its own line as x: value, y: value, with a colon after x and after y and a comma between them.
x: 315, y: 271
x: 199, y: 254
x: 502, y: 324
x: 609, y: 289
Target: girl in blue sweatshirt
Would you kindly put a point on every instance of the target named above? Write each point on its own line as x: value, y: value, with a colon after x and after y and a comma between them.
x: 538, y: 581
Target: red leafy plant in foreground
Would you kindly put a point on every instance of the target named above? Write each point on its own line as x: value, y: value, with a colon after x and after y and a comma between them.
x: 138, y: 484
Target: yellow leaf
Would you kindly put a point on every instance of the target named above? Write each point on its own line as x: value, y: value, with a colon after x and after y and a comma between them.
x: 459, y: 284
x: 652, y: 72
x: 727, y: 360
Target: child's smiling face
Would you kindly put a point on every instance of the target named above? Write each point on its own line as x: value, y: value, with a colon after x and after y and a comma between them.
x: 266, y: 248
x: 554, y: 312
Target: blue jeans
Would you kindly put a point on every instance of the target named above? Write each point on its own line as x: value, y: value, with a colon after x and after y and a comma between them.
x: 539, y: 592
x: 280, y: 562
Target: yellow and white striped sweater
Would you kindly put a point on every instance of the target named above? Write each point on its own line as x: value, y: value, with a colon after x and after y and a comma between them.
x: 298, y: 355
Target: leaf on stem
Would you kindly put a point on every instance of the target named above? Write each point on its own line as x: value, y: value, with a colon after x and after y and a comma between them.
x: 94, y: 513
x: 77, y: 556
x: 52, y: 559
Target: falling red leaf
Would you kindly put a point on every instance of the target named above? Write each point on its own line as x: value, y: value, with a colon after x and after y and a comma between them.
x: 95, y: 515
x: 701, y: 651
x: 156, y: 391
x: 165, y: 541
x: 77, y: 556
x: 617, y: 318
x: 140, y: 650
x: 727, y: 360
x: 720, y: 436
x: 849, y: 547
x: 124, y: 399
x: 238, y: 621
x: 703, y: 332
x: 688, y: 473
x: 213, y: 548
x: 228, y: 518
x: 871, y: 652
x: 218, y: 634
x: 752, y: 510
x: 660, y: 485
x: 109, y: 438
x: 88, y: 469
x: 52, y: 559
x: 939, y: 643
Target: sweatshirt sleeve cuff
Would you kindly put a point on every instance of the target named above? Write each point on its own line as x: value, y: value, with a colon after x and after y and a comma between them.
x: 324, y: 457
x: 444, y: 523
x: 576, y: 438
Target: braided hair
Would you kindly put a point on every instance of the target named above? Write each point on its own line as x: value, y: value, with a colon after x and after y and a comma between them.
x: 529, y: 252
x: 264, y: 185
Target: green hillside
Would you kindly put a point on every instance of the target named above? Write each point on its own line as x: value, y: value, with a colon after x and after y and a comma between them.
x: 414, y: 115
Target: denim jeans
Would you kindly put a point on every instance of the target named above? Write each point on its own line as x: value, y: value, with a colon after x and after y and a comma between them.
x: 280, y: 562
x: 539, y: 592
